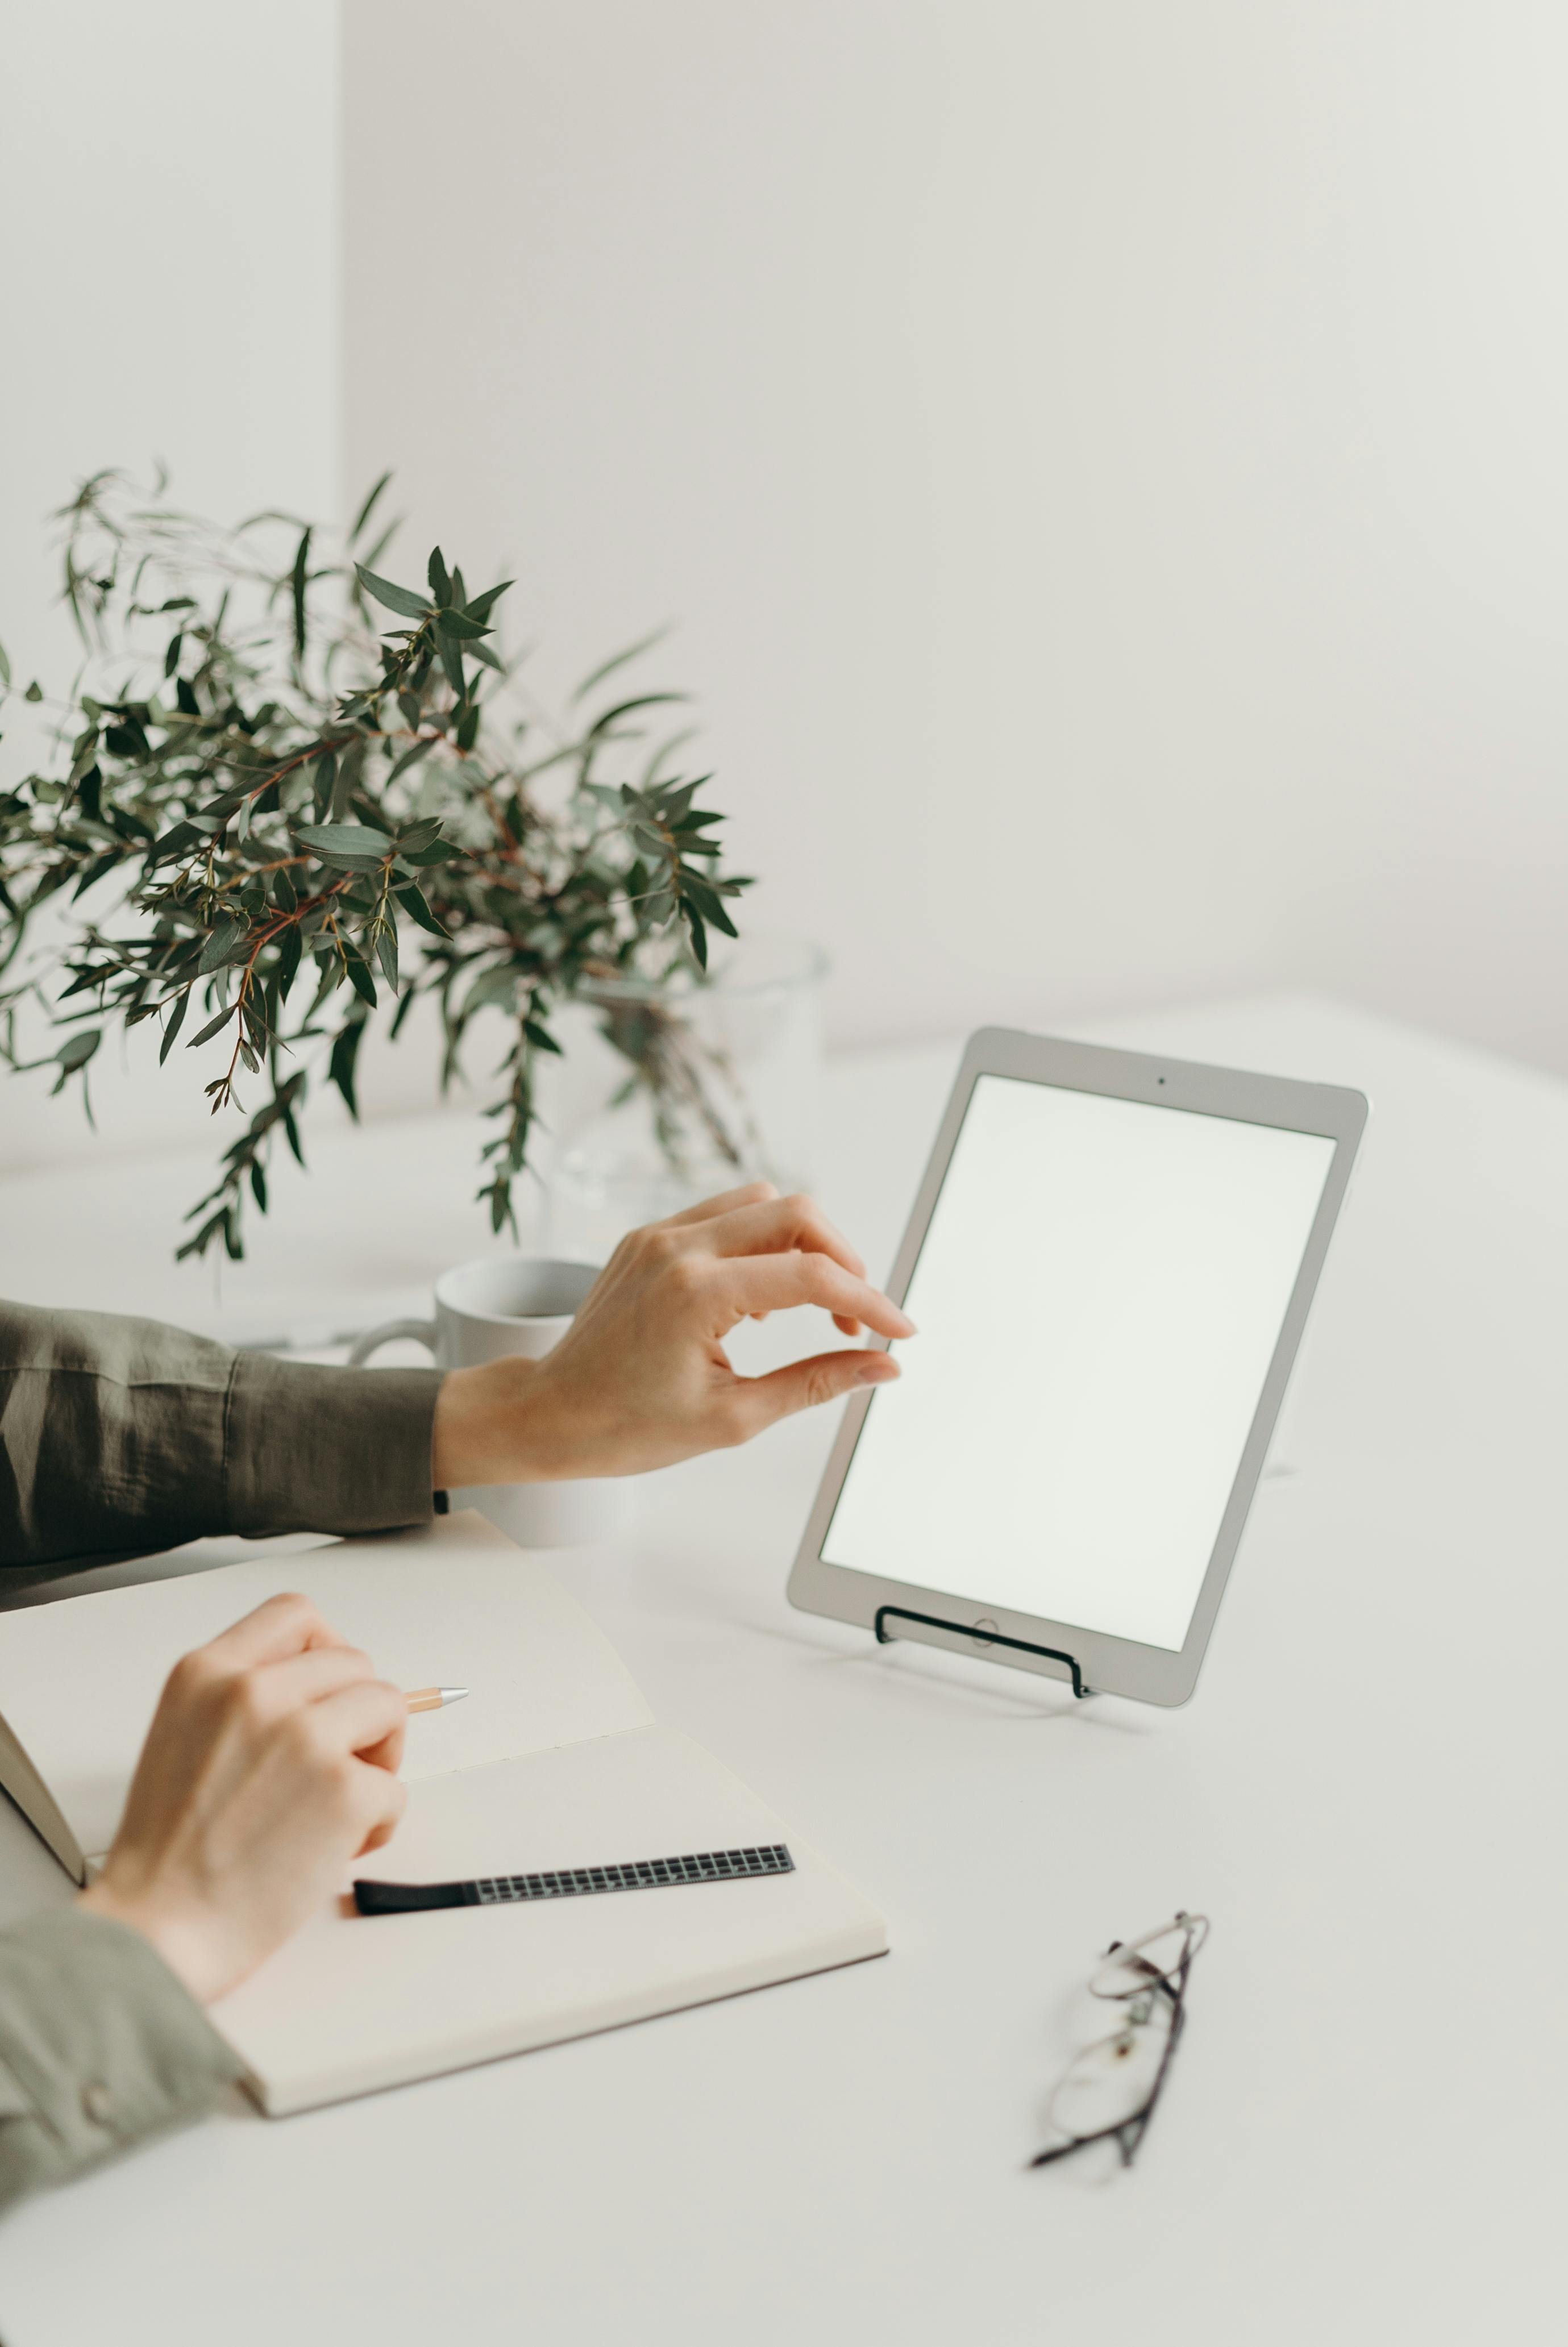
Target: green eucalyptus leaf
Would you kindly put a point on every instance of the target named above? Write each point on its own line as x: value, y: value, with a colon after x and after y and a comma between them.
x: 411, y: 757
x: 174, y: 1026
x: 413, y: 903
x: 460, y: 623
x: 288, y: 954
x: 619, y: 659
x: 341, y: 1066
x: 324, y: 782
x: 625, y: 709
x: 703, y: 897
x: 213, y: 1026
x: 297, y: 592
x: 351, y: 765
x: 481, y: 606
x: 78, y: 1051
x: 419, y: 834
x: 197, y: 1245
x: 492, y: 990
x: 226, y: 941
x: 393, y: 599
x: 353, y: 846
x: 359, y: 975
x: 367, y: 509
x: 708, y: 906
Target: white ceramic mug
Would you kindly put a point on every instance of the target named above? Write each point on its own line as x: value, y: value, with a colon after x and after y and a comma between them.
x: 484, y: 1310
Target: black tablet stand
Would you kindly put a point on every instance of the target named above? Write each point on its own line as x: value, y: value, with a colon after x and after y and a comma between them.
x: 981, y: 1637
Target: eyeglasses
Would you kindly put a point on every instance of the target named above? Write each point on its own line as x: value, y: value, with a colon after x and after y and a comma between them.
x: 1110, y: 2092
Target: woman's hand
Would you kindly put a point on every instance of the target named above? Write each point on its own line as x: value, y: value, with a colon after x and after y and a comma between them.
x: 270, y: 1764
x: 641, y: 1378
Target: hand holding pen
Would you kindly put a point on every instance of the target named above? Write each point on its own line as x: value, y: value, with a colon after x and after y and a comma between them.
x: 270, y: 1764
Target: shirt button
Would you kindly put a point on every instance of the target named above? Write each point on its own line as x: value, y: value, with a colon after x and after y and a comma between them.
x: 97, y: 2103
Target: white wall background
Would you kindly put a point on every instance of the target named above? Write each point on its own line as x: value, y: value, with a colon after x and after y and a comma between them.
x: 169, y: 196
x: 1110, y: 462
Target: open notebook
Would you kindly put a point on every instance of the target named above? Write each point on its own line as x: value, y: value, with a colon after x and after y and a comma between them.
x: 554, y: 1761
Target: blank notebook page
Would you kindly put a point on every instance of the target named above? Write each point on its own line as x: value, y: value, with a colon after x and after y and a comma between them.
x: 353, y: 2004
x: 456, y: 1604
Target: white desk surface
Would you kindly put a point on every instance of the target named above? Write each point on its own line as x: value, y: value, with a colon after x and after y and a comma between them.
x: 1364, y: 2134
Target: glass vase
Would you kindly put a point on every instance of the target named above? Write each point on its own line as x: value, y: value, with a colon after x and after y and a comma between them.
x: 675, y: 1089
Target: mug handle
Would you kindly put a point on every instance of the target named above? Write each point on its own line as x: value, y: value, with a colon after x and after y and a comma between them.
x: 422, y: 1331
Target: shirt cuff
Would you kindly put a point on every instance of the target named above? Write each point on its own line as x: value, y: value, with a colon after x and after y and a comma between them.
x: 100, y: 2047
x: 317, y: 1450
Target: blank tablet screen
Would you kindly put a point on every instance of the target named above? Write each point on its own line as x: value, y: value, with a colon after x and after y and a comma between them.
x: 1098, y: 1298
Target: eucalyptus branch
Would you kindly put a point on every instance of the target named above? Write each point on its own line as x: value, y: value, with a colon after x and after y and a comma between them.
x: 267, y: 782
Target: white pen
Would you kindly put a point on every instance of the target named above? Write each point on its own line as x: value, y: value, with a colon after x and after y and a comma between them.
x: 432, y: 1698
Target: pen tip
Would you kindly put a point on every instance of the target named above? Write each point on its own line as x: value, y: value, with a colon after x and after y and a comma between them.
x: 453, y: 1694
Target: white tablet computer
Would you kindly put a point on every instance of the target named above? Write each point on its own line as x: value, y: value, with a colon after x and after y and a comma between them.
x: 1109, y: 1263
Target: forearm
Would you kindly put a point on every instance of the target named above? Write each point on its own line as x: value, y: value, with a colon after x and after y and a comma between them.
x: 119, y: 1436
x: 101, y: 2046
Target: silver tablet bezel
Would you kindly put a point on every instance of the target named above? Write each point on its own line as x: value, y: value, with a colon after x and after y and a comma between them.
x: 1109, y: 1664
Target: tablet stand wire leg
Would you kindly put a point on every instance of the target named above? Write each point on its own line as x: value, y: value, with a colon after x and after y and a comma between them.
x: 982, y: 1637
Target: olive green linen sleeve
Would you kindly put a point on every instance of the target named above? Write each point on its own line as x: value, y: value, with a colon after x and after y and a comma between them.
x: 119, y: 1436
x: 100, y: 2046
